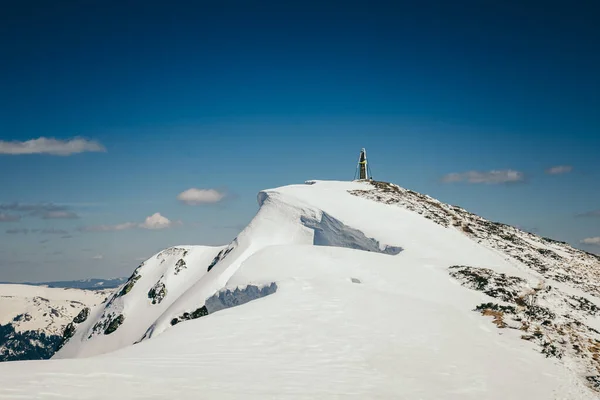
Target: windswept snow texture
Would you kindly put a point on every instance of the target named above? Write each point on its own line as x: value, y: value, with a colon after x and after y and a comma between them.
x: 331, y: 232
x: 346, y: 318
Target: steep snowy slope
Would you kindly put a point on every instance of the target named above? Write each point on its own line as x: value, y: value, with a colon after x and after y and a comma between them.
x: 33, y: 318
x: 423, y: 293
x: 126, y: 315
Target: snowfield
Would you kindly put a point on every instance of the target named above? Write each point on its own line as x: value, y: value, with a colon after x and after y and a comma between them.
x: 340, y: 289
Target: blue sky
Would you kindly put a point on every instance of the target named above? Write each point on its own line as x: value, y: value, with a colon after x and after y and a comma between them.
x: 236, y: 98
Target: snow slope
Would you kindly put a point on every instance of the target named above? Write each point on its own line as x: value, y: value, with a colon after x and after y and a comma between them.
x: 335, y: 289
x: 131, y: 309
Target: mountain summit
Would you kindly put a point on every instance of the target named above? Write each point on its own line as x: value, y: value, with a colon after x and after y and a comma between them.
x: 346, y: 288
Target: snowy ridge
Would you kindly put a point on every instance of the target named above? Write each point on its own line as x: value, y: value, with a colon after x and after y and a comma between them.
x: 552, y: 259
x: 345, y: 288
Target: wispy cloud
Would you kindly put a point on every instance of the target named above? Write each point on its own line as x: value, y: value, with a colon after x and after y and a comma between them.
x: 25, y: 231
x: 594, y: 213
x: 592, y: 240
x: 9, y: 217
x: 485, y: 177
x: 51, y: 146
x: 42, y: 210
x: 154, y: 222
x: 98, y: 257
x: 559, y: 169
x: 108, y: 228
x: 17, y: 231
x: 37, y: 207
x: 194, y: 196
x: 59, y: 215
x: 53, y: 231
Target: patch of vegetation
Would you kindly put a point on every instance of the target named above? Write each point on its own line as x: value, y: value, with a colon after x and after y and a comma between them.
x: 500, y: 286
x: 546, y: 239
x: 495, y: 307
x: 539, y: 313
x: 385, y: 187
x: 467, y: 229
x: 594, y: 381
x: 583, y: 304
x: 556, y: 336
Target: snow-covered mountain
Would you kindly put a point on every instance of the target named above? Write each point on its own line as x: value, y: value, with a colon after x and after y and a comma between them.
x: 337, y: 289
x: 33, y: 319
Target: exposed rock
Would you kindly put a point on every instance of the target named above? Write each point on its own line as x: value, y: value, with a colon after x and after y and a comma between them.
x: 114, y: 324
x: 158, y: 292
x: 130, y: 282
x: 222, y: 254
x: 82, y: 316
x: 179, y: 265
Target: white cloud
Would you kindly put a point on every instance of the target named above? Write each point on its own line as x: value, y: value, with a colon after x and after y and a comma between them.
x: 155, y: 221
x: 592, y: 240
x: 194, y: 197
x: 487, y: 177
x: 98, y: 257
x: 51, y: 146
x: 559, y: 169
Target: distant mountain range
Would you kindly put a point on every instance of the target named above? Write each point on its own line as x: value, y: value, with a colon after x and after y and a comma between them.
x: 86, y: 284
x: 33, y: 319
